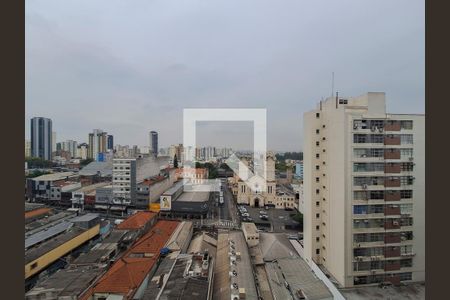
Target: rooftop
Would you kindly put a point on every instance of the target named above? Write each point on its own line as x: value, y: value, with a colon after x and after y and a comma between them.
x: 151, y: 181
x: 92, y: 187
x: 300, y: 278
x: 193, y: 197
x: 182, y: 285
x: 137, y: 221
x: 32, y: 206
x: 275, y: 246
x: 65, y: 283
x: 181, y: 237
x: 38, y: 251
x: 414, y: 291
x: 128, y: 273
x: 37, y: 212
x: 244, y: 278
x: 44, y: 235
x: 54, y: 176
x: 95, y: 167
x: 85, y: 218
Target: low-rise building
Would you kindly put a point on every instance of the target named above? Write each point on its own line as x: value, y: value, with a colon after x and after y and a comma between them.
x: 251, y: 233
x: 39, y: 188
x: 45, y: 247
x: 129, y: 276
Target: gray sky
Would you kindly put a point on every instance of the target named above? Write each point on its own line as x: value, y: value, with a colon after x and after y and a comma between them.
x: 128, y: 67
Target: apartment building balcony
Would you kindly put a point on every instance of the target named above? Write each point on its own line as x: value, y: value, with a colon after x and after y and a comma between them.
x: 392, y: 140
x: 392, y: 211
x: 392, y: 168
x: 392, y: 252
x: 394, y: 266
x: 392, y: 154
x: 392, y: 182
x: 391, y: 224
x: 392, y: 238
x: 392, y: 196
x: 394, y: 126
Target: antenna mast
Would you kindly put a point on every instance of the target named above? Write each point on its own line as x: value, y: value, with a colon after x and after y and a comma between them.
x: 332, y: 84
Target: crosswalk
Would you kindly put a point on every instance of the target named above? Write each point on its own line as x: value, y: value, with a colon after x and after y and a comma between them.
x: 220, y: 223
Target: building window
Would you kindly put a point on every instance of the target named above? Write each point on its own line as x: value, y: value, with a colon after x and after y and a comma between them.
x: 317, y: 239
x: 317, y: 155
x: 317, y: 203
x: 406, y: 125
x: 317, y: 216
x: 317, y: 179
x: 317, y: 251
x: 317, y: 143
x: 34, y: 266
x: 317, y: 131
x: 317, y: 167
x: 317, y: 115
x: 317, y: 191
x: 317, y: 227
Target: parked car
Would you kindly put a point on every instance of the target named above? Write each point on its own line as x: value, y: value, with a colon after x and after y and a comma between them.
x: 264, y: 217
x: 262, y: 212
x: 245, y: 214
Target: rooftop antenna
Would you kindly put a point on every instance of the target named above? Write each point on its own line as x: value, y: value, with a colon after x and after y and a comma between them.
x: 332, y: 84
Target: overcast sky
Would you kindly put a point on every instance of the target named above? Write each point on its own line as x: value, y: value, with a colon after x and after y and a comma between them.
x: 128, y: 67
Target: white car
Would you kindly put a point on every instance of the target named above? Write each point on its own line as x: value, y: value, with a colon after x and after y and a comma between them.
x: 245, y: 214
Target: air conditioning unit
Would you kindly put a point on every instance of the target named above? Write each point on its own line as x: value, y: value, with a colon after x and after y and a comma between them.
x: 381, y: 129
x: 364, y: 186
x: 395, y: 223
x: 411, y: 158
x: 373, y: 128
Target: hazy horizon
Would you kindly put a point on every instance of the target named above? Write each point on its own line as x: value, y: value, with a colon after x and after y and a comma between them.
x: 129, y: 68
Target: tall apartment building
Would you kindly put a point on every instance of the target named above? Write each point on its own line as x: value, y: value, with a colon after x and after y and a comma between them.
x: 82, y: 150
x: 153, y: 143
x: 97, y: 143
x: 71, y: 147
x: 110, y: 142
x: 53, y: 141
x: 364, y: 189
x: 41, y: 138
x: 124, y: 180
x: 27, y: 148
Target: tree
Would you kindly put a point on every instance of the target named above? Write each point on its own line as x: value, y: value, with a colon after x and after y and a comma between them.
x: 299, y: 218
x: 175, y: 161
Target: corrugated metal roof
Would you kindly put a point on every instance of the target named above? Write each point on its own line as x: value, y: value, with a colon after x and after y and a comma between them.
x: 47, y: 234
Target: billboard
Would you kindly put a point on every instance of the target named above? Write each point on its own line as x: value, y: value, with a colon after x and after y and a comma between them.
x: 165, y: 203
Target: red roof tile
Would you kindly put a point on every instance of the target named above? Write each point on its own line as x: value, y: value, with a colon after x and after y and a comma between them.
x: 128, y: 273
x: 137, y: 221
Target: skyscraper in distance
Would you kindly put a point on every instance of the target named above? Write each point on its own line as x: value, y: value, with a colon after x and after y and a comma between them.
x: 110, y: 142
x: 153, y: 143
x: 97, y: 143
x: 41, y: 138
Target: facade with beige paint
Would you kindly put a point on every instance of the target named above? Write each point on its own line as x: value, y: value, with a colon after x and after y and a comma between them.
x: 364, y: 191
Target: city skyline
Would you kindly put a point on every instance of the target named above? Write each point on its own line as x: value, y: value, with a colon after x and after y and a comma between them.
x: 114, y: 76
